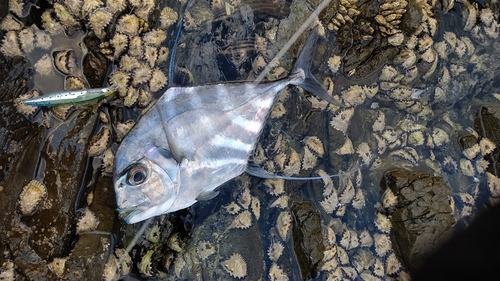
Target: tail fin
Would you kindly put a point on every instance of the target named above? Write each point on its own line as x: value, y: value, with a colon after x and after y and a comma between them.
x: 303, y: 63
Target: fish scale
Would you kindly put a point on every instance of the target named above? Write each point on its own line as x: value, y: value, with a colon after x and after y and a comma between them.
x: 195, y: 139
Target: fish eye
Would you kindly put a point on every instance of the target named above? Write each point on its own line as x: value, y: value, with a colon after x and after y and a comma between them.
x: 136, y: 175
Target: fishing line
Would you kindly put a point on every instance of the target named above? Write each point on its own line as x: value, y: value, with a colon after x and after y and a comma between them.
x: 171, y: 67
x: 291, y: 41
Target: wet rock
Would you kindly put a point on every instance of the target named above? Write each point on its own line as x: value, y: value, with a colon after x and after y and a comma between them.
x: 95, y: 64
x: 306, y: 232
x: 423, y: 217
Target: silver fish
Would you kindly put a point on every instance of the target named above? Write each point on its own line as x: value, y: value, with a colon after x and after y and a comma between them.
x: 208, y: 135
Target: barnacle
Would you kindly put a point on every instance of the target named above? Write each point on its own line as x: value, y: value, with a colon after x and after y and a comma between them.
x: 122, y: 129
x: 61, y: 111
x: 99, y: 19
x: 348, y: 192
x: 245, y: 198
x: 293, y: 165
x: 27, y: 40
x: 349, y: 239
x: 17, y: 7
x: 57, y: 266
x: 119, y: 43
x: 416, y: 138
x: 64, y: 16
x: 151, y: 54
x: 65, y: 61
x: 275, y: 186
x: 89, y: 6
x: 108, y: 158
x: 50, y: 24
x: 355, y: 95
x: 363, y: 150
x: 162, y: 54
x: 73, y: 83
x: 275, y: 250
x: 482, y: 165
x: 334, y: 63
x: 116, y: 6
x: 278, y: 110
x: 330, y: 203
x: 232, y: 208
x: 493, y: 184
x: 341, y: 120
x: 99, y: 142
x: 359, y: 200
x: 10, y: 45
x: 255, y: 206
x: 128, y: 24
x: 276, y: 273
x: 281, y: 202
x: 31, y: 197
x: 309, y: 160
x: 346, y: 149
x: 43, y: 40
x: 158, y: 80
x: 19, y: 102
x: 466, y: 167
x: 87, y: 222
x: 472, y: 152
x: 44, y: 65
x: 120, y: 79
x: 141, y: 75
x: 382, y: 244
x: 392, y: 264
x: 487, y: 146
x: 155, y: 37
x: 365, y: 239
x: 10, y: 23
x: 242, y: 221
x: 383, y: 223
x: 378, y: 268
x: 131, y: 97
x: 283, y: 223
x: 111, y: 270
x: 235, y: 266
x: 388, y: 73
x: 205, y: 249
x: 168, y: 17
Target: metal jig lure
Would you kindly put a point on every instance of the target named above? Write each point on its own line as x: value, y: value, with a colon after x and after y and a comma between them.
x: 72, y: 97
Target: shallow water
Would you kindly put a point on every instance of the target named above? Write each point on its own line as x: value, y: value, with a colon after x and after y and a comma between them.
x: 229, y: 41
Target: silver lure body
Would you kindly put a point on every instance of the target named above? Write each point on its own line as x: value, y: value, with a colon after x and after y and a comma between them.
x: 194, y: 139
x: 71, y: 97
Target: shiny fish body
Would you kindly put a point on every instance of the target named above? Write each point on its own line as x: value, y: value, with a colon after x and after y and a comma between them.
x: 71, y: 97
x: 194, y: 139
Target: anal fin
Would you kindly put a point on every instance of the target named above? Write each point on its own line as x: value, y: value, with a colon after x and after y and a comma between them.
x: 207, y: 195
